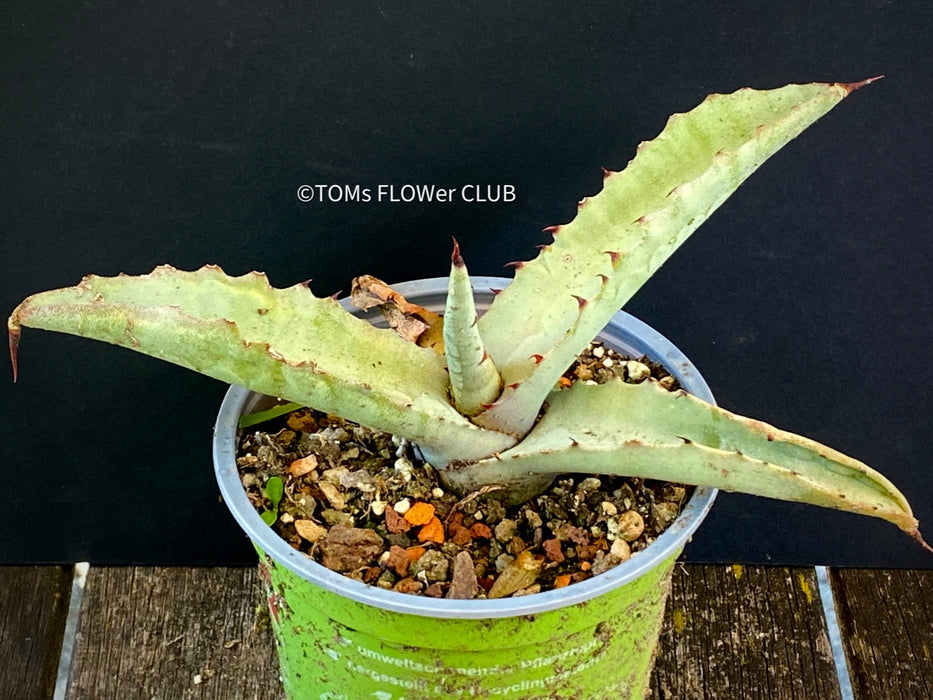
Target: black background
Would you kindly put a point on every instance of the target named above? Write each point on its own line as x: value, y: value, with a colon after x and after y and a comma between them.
x: 136, y: 133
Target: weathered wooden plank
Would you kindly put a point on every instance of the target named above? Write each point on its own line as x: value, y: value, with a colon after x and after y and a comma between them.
x: 886, y: 618
x: 33, y: 609
x: 744, y: 632
x: 173, y: 633
x: 152, y: 633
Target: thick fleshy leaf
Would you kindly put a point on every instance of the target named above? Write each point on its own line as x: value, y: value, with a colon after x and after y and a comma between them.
x: 282, y: 342
x: 643, y: 430
x: 558, y: 302
x: 474, y: 380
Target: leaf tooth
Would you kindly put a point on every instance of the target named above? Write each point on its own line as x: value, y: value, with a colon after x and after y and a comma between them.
x: 604, y: 279
x: 495, y: 292
x: 543, y: 246
x: 537, y: 358
x: 551, y: 229
x: 517, y: 264
x: 128, y: 332
x: 615, y: 257
x: 581, y: 302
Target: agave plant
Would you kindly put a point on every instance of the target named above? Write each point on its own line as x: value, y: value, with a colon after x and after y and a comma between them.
x: 486, y: 410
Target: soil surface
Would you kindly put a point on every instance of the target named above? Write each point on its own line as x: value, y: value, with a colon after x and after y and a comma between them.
x: 361, y: 503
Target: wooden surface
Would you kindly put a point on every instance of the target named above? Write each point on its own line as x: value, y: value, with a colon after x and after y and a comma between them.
x: 730, y: 632
x: 744, y: 632
x: 886, y: 619
x: 173, y: 633
x: 33, y: 607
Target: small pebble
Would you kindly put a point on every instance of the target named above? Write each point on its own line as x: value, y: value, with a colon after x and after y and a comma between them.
x: 609, y: 508
x: 506, y: 530
x: 631, y: 525
x: 598, y: 351
x: 620, y: 550
x: 637, y: 371
x: 378, y: 508
x: 437, y: 492
x: 402, y: 506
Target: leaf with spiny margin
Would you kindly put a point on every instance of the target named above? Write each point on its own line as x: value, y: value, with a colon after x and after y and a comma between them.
x: 474, y: 380
x: 645, y: 431
x: 281, y: 342
x: 558, y: 302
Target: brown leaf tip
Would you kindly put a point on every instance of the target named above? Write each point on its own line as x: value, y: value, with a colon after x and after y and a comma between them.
x: 614, y: 256
x: 581, y: 302
x: 852, y: 87
x: 14, y: 332
x: 537, y: 358
x: 455, y: 258
x: 517, y: 264
x: 915, y: 533
x: 551, y: 229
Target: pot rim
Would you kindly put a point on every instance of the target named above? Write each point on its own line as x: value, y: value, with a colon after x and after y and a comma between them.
x: 623, y: 330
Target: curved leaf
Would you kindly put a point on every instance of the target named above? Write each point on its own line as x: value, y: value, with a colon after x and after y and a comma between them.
x: 643, y: 430
x: 558, y: 302
x: 281, y: 342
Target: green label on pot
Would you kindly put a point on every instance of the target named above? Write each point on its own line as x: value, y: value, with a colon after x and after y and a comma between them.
x: 331, y: 647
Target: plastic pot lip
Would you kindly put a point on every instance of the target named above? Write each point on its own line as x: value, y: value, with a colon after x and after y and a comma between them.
x: 624, y: 331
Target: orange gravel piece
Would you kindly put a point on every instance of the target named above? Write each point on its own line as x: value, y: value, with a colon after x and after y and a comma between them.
x: 420, y: 514
x: 432, y: 531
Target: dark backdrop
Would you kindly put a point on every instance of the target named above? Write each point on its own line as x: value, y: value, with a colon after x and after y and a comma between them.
x: 135, y: 133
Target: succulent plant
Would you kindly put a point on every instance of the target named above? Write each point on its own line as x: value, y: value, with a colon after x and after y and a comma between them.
x: 475, y: 409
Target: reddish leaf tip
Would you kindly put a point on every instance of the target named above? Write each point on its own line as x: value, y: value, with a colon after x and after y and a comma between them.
x: 14, y: 332
x: 915, y: 533
x: 496, y: 292
x: 517, y: 264
x: 455, y: 258
x: 537, y: 358
x: 852, y: 87
x: 551, y: 229
x: 581, y: 302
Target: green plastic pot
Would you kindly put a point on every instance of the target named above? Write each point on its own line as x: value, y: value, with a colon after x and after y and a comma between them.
x: 341, y: 639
